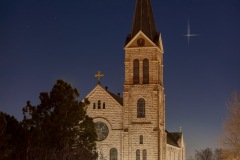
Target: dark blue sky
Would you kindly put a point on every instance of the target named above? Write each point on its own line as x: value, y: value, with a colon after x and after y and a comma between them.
x: 45, y: 40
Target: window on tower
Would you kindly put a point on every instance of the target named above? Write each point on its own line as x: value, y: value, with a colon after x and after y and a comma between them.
x: 145, y: 71
x: 136, y: 71
x: 94, y: 105
x: 137, y: 154
x: 99, y: 104
x: 113, y: 154
x: 144, y: 154
x: 141, y: 139
x: 141, y: 108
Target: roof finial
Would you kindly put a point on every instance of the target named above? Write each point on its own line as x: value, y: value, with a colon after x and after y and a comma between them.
x: 99, y: 75
x: 180, y: 128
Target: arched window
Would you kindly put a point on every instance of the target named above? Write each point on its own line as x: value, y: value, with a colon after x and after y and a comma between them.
x: 137, y: 154
x: 113, y: 154
x: 99, y: 104
x: 136, y: 71
x: 144, y: 154
x: 145, y: 71
x: 104, y: 105
x: 141, y: 139
x: 141, y: 108
x: 94, y: 105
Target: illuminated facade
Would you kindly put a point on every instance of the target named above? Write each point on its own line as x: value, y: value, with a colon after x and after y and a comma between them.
x: 133, y: 127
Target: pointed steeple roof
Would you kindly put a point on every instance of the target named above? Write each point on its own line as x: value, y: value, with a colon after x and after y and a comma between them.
x: 143, y: 20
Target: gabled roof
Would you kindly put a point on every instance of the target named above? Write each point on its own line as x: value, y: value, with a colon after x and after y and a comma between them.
x: 143, y: 20
x: 116, y: 97
x: 140, y: 34
x: 172, y: 138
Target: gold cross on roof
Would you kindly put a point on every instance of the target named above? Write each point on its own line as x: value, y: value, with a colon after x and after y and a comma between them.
x: 99, y: 75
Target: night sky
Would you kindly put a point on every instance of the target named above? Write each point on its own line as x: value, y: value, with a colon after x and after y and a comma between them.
x: 45, y: 40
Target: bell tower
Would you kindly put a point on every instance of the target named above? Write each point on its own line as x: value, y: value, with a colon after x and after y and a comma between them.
x: 144, y: 135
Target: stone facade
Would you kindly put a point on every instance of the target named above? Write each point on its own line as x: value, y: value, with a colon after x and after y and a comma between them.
x: 130, y: 135
x: 133, y: 127
x: 111, y: 116
x: 152, y: 125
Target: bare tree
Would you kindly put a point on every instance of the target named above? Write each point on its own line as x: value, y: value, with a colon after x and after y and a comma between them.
x: 191, y: 158
x: 217, y: 155
x: 207, y: 154
x: 231, y: 135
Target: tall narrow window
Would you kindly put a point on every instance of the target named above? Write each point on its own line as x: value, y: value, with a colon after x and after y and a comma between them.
x: 104, y: 105
x: 145, y: 71
x: 94, y: 105
x: 137, y: 154
x: 99, y: 104
x: 136, y: 71
x: 144, y: 154
x: 141, y: 108
x: 141, y: 139
x: 113, y: 154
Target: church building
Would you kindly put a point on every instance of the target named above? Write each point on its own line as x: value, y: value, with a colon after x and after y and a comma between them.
x: 132, y: 127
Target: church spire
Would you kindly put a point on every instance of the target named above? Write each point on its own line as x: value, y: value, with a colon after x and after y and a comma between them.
x: 143, y: 20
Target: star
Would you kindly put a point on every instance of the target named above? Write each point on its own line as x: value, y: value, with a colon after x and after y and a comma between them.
x: 189, y: 34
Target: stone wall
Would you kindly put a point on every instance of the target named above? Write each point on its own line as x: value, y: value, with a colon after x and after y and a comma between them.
x: 152, y: 126
x: 111, y: 116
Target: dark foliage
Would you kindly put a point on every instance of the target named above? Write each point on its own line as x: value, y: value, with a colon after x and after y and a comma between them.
x: 59, y: 127
x: 56, y: 129
x: 12, y: 138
